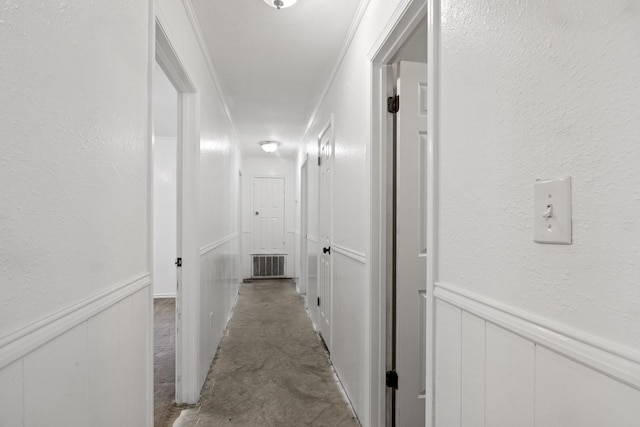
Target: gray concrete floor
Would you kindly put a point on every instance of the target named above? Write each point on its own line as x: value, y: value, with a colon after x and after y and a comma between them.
x: 271, y: 368
x: 164, y: 360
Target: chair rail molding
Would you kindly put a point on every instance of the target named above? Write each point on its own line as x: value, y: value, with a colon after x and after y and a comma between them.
x: 349, y: 253
x: 218, y: 243
x: 613, y: 360
x: 23, y: 341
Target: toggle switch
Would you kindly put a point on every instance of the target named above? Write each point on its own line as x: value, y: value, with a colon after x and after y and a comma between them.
x: 552, y: 211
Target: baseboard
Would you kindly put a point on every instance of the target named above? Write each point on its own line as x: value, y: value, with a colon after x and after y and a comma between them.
x: 22, y: 342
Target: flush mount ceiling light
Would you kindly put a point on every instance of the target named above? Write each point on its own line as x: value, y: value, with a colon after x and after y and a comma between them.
x: 280, y: 4
x: 269, y: 146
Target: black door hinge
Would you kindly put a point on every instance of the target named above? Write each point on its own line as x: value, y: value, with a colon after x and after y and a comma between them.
x: 393, y: 104
x: 392, y: 379
x: 318, y: 301
x: 179, y: 262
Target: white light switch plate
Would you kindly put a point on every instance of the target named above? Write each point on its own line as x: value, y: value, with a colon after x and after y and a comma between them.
x: 552, y: 197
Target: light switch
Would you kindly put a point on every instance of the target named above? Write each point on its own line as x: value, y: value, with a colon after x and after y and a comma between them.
x: 552, y: 211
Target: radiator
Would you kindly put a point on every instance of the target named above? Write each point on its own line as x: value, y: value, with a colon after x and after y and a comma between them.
x: 268, y: 266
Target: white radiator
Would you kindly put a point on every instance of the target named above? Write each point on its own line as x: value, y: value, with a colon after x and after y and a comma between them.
x: 264, y: 266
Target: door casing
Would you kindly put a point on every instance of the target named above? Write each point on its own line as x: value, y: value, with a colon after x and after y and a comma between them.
x: 396, y: 32
x: 188, y: 146
x: 304, y: 229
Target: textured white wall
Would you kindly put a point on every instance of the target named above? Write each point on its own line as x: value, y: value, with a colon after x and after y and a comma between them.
x: 542, y: 334
x: 74, y: 223
x: 540, y: 90
x: 73, y: 157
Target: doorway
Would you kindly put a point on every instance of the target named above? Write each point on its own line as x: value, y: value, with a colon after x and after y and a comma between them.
x: 400, y: 174
x: 187, y: 255
x: 165, y: 232
x: 268, y: 256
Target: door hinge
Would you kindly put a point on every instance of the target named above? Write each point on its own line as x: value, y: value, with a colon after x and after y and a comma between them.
x: 392, y: 379
x: 318, y: 301
x: 179, y: 262
x: 393, y: 104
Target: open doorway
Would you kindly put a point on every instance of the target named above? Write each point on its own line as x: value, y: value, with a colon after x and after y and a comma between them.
x: 165, y: 280
x: 400, y: 158
x: 174, y: 238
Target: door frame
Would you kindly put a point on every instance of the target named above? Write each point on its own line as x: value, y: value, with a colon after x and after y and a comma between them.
x: 304, y: 228
x: 405, y: 19
x: 187, y: 158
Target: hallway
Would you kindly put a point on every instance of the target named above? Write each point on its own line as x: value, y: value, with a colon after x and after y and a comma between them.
x: 522, y: 232
x: 271, y: 368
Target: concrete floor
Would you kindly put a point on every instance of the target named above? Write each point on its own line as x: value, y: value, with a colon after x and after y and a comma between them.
x: 164, y: 360
x: 271, y: 368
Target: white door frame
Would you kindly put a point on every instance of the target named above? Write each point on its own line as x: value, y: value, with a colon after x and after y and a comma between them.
x: 399, y: 28
x: 304, y: 228
x: 188, y: 152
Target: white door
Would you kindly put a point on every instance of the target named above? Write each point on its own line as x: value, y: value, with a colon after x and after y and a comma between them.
x: 411, y: 132
x: 325, y: 278
x: 268, y: 215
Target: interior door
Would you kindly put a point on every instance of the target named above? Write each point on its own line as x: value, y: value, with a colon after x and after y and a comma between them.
x: 268, y: 216
x: 410, y: 242
x: 326, y: 225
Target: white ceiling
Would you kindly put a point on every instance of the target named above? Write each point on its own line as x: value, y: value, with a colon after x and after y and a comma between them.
x: 273, y: 65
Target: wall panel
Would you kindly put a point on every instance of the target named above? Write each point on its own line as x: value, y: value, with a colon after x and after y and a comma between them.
x: 570, y: 394
x: 350, y: 347
x: 103, y: 348
x: 56, y: 390
x: 516, y: 370
x: 11, y: 395
x: 510, y: 378
x: 448, y: 357
x: 472, y: 371
x: 219, y: 279
x: 90, y: 364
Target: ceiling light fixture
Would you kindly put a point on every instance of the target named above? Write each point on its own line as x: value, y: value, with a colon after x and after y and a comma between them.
x: 280, y: 4
x: 269, y: 146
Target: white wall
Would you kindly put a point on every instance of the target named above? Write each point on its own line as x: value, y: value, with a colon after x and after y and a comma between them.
x: 261, y: 167
x: 75, y: 313
x: 538, y: 90
x: 165, y: 132
x: 164, y: 219
x: 218, y: 167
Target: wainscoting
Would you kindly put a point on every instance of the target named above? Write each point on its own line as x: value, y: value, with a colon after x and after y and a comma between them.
x: 497, y: 366
x: 87, y: 365
x: 349, y: 318
x: 219, y: 280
